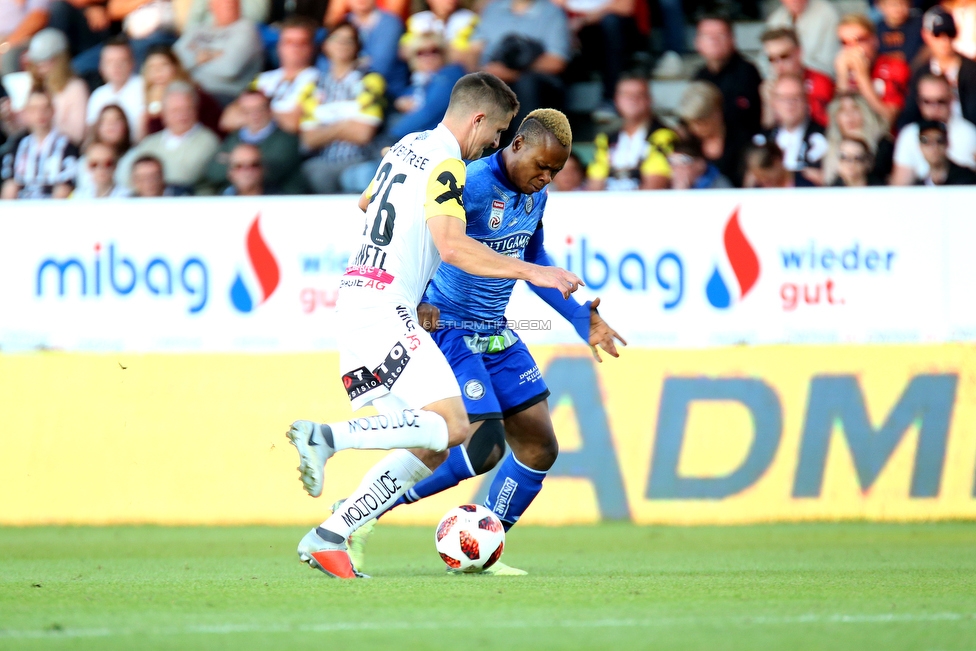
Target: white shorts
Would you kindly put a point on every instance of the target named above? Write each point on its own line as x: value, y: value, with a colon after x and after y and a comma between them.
x: 383, y: 351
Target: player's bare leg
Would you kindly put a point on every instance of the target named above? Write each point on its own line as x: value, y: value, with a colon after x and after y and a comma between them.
x: 325, y: 547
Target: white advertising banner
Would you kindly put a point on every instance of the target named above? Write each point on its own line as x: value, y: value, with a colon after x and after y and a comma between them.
x: 673, y: 269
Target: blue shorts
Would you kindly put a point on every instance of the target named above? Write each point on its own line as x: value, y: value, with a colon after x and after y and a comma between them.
x: 493, y: 384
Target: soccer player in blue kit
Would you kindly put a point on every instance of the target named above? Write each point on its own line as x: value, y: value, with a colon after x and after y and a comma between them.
x: 502, y: 387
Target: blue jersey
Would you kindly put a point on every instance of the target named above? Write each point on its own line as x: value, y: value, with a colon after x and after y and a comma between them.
x: 504, y: 219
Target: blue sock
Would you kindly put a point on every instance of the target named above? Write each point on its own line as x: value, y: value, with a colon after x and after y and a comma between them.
x: 452, y: 472
x: 514, y: 488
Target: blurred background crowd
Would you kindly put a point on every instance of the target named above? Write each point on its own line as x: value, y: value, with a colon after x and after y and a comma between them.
x: 116, y: 98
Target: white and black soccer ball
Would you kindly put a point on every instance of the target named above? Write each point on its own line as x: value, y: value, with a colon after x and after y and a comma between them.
x: 470, y: 538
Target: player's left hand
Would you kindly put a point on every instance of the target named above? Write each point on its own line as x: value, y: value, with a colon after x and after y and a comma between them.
x: 429, y: 316
x: 601, y: 334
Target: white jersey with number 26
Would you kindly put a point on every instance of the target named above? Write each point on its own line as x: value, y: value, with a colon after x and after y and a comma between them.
x: 422, y: 176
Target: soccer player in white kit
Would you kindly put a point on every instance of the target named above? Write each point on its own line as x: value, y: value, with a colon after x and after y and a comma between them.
x: 414, y: 218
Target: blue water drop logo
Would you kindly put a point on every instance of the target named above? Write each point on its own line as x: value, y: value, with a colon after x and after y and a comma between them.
x: 239, y: 295
x: 717, y: 291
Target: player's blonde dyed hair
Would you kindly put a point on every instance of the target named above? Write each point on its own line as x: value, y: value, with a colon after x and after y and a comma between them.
x: 550, y: 120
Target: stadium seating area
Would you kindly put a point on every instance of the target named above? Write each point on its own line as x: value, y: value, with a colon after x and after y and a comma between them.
x: 247, y: 97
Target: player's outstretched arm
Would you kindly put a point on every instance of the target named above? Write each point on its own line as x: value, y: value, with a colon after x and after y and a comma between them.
x: 470, y: 255
x: 601, y: 334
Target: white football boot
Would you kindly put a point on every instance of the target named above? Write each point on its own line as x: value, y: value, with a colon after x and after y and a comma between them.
x: 357, y: 540
x: 313, y: 452
x: 326, y: 551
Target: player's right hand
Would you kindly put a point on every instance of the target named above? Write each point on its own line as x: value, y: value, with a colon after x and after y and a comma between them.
x: 565, y: 281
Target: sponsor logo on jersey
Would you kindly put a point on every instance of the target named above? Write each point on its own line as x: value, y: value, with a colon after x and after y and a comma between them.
x: 455, y: 191
x: 474, y: 389
x: 497, y: 214
x: 529, y: 204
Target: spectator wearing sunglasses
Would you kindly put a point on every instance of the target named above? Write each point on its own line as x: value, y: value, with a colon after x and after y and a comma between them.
x: 101, y: 160
x: 245, y: 173
x: 815, y: 22
x: 782, y: 48
x: 882, y: 79
x: 933, y: 140
x: 934, y: 101
x: 854, y: 163
x: 938, y: 32
x: 691, y: 171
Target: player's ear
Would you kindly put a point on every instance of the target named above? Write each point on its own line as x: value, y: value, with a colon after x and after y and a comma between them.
x: 518, y: 142
x: 478, y: 118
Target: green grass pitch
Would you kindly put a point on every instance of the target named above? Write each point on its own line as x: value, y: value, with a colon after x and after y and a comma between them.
x: 612, y: 586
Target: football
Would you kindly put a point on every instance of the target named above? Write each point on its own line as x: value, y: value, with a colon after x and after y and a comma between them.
x: 470, y: 538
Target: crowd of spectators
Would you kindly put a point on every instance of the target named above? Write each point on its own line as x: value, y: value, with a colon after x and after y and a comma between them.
x: 118, y: 98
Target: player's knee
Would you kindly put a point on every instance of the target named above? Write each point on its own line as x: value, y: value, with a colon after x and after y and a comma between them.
x: 487, y: 445
x: 542, y: 453
x: 458, y: 428
x: 431, y: 458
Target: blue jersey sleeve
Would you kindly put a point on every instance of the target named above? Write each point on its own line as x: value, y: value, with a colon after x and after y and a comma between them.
x: 578, y: 315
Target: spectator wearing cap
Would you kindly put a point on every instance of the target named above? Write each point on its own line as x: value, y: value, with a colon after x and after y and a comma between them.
x: 287, y: 86
x: 19, y: 21
x: 690, y: 170
x: 854, y: 164
x: 43, y: 166
x: 764, y: 169
x: 899, y: 30
x: 148, y: 179
x: 184, y: 146
x: 245, y: 173
x: 782, y: 49
x: 802, y: 141
x: 121, y: 88
x: 446, y: 18
x: 938, y: 30
x: 636, y: 156
x: 882, y: 79
x: 737, y: 79
x: 50, y: 67
x: 223, y: 57
x: 526, y: 44
x: 88, y: 24
x: 101, y: 161
x: 934, y: 143
x: 701, y: 116
x: 279, y: 149
x: 815, y: 22
x: 934, y: 102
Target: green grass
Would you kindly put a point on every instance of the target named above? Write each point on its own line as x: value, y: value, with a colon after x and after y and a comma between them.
x: 795, y: 587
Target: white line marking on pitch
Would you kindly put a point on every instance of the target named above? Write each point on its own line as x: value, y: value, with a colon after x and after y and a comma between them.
x: 745, y: 620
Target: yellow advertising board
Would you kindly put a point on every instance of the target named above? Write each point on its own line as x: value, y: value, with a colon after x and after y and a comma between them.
x: 731, y: 435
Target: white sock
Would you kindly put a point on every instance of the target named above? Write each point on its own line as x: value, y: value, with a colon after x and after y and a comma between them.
x: 381, y: 487
x: 404, y: 428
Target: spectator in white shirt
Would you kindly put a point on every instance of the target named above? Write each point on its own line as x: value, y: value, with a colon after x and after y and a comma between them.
x: 121, y: 87
x: 934, y: 99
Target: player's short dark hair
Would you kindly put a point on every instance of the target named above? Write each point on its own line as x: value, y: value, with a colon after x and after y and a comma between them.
x: 720, y: 16
x: 542, y: 122
x: 777, y: 33
x: 481, y: 90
